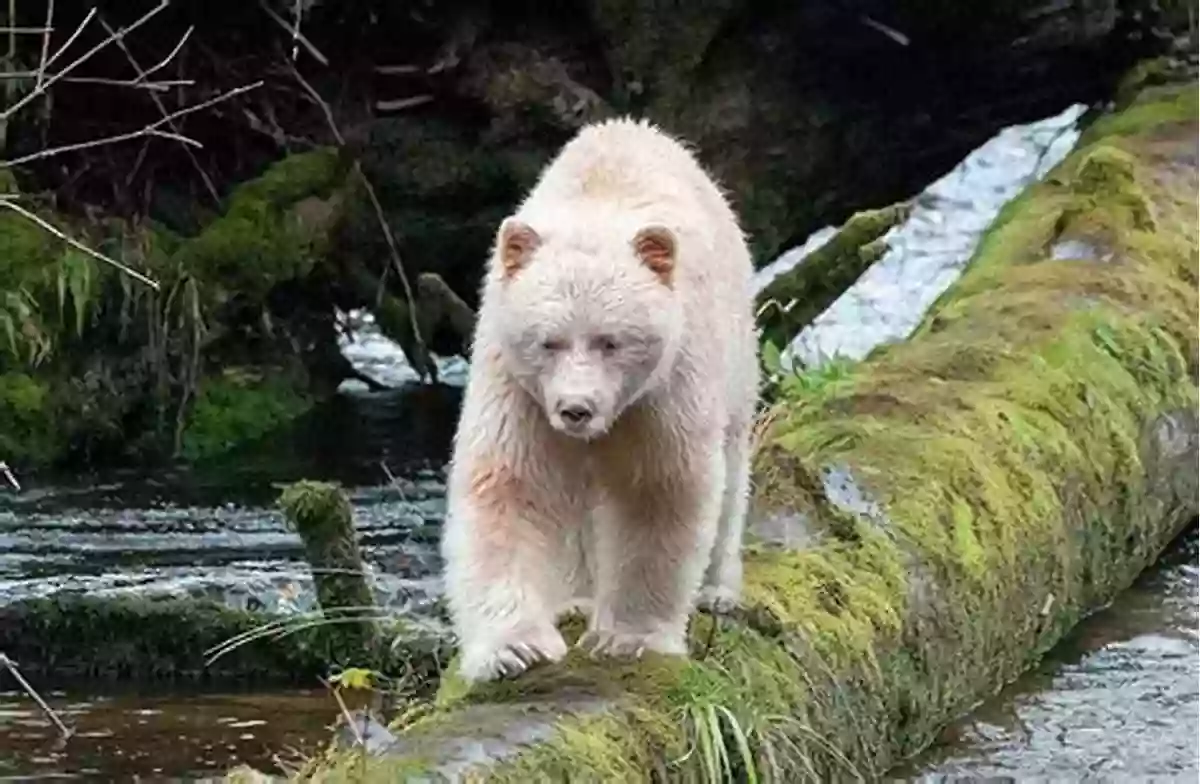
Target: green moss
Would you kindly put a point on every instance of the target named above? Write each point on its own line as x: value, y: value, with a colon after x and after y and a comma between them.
x: 275, y: 228
x: 796, y: 297
x: 148, y: 640
x: 24, y: 247
x: 296, y: 177
x: 322, y: 515
x: 1160, y: 105
x: 1007, y: 455
x: 27, y: 433
x: 157, y: 640
x: 236, y: 408
x: 117, y: 356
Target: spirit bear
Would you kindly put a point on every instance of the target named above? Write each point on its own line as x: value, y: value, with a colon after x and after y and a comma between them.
x: 602, y: 453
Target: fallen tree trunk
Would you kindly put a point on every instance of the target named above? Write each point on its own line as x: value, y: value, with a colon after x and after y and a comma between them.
x: 795, y: 298
x: 926, y: 528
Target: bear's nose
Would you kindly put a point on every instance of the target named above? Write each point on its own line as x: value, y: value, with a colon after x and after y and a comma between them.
x: 575, y: 414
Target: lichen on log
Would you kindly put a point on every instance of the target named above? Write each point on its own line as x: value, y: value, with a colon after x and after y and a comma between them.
x: 967, y: 496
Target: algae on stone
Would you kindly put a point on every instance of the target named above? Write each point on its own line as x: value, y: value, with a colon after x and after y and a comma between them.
x: 972, y: 493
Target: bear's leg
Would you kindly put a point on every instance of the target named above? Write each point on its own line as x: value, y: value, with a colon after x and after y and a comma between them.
x: 505, y: 551
x: 723, y: 579
x: 654, y: 537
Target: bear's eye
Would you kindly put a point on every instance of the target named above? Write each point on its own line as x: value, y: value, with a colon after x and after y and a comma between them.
x: 606, y: 344
x: 552, y: 344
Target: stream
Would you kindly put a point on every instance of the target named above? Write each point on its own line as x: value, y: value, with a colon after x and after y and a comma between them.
x: 1116, y: 700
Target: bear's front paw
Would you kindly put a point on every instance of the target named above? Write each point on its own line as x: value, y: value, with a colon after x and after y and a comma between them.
x: 717, y: 599
x: 630, y: 644
x: 509, y: 655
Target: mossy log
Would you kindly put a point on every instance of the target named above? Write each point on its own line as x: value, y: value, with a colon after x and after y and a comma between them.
x: 322, y: 515
x: 925, y: 528
x: 793, y: 300
x: 69, y: 638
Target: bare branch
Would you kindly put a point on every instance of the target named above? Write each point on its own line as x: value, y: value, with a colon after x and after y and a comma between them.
x: 380, y: 217
x: 402, y: 103
x: 150, y: 130
x: 294, y: 30
x: 137, y: 84
x: 46, y: 42
x: 162, y: 108
x: 78, y: 31
x: 11, y: 666
x: 134, y: 83
x: 8, y: 474
x: 388, y: 70
x: 9, y: 203
x: 170, y: 55
x: 25, y: 30
x: 40, y: 89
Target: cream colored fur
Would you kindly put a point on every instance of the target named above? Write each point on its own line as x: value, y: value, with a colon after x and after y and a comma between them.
x: 620, y: 287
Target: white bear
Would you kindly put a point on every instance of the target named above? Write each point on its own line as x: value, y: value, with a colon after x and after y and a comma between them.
x: 602, y: 452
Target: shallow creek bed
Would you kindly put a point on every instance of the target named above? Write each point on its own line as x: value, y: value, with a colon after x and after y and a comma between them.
x: 926, y: 526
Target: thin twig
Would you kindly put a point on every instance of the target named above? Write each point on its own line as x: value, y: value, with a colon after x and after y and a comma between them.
x: 387, y: 70
x: 402, y: 103
x: 150, y: 130
x: 158, y: 87
x: 170, y: 55
x: 162, y: 108
x: 8, y: 474
x: 124, y: 31
x: 70, y: 40
x: 10, y: 63
x: 11, y: 204
x: 297, y: 36
x: 25, y: 30
x: 358, y: 736
x: 45, y: 42
x: 381, y: 218
x: 298, y: 14
x: 11, y: 666
x: 138, y: 84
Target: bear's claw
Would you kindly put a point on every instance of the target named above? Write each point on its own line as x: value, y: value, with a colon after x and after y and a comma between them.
x: 627, y: 644
x: 511, y: 655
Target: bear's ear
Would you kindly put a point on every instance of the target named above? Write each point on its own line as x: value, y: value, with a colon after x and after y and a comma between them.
x: 655, y: 246
x: 517, y: 243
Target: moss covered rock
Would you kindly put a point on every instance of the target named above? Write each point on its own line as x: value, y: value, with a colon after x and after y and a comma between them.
x: 97, y: 365
x: 237, y: 407
x: 275, y: 228
x: 927, y: 524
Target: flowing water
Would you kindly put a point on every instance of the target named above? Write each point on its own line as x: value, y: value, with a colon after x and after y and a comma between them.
x: 1116, y: 701
x: 172, y: 533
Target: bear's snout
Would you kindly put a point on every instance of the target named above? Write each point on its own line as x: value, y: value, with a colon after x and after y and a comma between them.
x: 576, y: 416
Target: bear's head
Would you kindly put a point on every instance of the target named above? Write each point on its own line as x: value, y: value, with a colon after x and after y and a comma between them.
x: 588, y: 324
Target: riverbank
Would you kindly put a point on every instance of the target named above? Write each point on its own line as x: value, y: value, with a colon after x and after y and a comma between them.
x: 1035, y: 439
